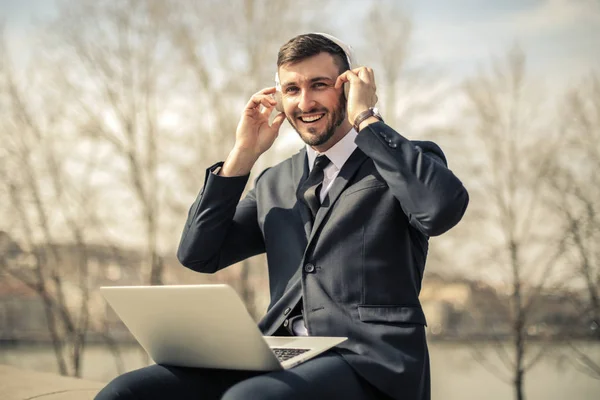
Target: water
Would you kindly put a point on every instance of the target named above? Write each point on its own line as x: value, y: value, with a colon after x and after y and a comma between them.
x: 456, y: 375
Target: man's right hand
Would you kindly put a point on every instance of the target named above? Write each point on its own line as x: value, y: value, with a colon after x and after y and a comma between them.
x: 254, y: 135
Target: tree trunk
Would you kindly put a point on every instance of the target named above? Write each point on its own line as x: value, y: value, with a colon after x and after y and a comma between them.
x: 246, y: 289
x: 518, y: 382
x: 156, y: 264
x: 519, y: 376
x: 519, y: 321
x: 57, y: 344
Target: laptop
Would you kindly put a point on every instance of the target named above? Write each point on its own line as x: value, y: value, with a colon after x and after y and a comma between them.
x: 206, y: 326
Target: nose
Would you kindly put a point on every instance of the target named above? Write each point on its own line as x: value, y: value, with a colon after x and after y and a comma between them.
x: 306, y: 102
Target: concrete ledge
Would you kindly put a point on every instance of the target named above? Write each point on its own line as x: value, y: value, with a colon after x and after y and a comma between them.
x: 21, y: 384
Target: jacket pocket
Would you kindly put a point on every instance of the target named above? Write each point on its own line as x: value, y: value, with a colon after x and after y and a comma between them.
x: 364, y: 184
x: 392, y: 314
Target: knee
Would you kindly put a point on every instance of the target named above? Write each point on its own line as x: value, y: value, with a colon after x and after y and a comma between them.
x: 119, y: 388
x: 243, y: 391
x: 262, y: 388
x: 240, y: 392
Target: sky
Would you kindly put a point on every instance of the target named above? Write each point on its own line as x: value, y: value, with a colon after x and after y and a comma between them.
x: 561, y: 37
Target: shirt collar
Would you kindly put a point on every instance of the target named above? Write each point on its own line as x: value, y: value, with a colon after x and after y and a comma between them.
x: 338, y: 153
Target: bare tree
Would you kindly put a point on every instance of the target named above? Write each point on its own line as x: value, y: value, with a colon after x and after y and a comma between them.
x: 408, y: 91
x: 139, y: 60
x: 411, y: 95
x: 47, y: 205
x: 576, y: 197
x: 509, y: 151
x: 231, y: 64
x: 120, y: 80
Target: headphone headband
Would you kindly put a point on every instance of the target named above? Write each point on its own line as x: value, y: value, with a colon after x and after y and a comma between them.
x: 347, y: 49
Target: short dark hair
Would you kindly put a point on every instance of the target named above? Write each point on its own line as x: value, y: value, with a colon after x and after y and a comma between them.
x: 308, y: 45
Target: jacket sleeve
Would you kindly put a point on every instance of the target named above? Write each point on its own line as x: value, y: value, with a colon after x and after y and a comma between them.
x: 220, y: 229
x: 432, y: 197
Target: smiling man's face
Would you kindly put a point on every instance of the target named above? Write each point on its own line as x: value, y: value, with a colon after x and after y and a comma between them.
x: 312, y: 105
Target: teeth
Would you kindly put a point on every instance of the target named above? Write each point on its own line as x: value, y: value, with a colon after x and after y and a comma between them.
x: 312, y: 119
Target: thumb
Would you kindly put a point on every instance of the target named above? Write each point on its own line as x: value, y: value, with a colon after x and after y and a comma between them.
x: 278, y: 120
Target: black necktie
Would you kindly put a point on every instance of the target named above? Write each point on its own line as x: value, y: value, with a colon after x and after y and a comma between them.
x: 312, y: 186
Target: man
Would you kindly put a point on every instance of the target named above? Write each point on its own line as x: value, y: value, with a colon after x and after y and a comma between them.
x: 346, y: 239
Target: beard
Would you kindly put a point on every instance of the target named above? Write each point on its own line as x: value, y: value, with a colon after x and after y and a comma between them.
x: 334, y: 120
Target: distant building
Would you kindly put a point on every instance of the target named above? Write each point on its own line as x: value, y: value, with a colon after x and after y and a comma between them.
x: 454, y: 307
x: 462, y: 308
x: 23, y: 313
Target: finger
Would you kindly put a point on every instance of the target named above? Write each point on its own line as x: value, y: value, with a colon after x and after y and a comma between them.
x: 278, y: 120
x: 260, y: 99
x: 267, y: 90
x: 364, y: 74
x: 266, y: 111
x: 347, y: 76
x: 341, y: 79
x: 371, y: 74
x: 268, y: 102
x: 360, y: 71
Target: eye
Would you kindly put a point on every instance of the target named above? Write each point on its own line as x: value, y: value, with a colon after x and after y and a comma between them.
x: 320, y: 85
x: 291, y: 90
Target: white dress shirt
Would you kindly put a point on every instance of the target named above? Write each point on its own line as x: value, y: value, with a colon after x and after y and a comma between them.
x: 337, y: 154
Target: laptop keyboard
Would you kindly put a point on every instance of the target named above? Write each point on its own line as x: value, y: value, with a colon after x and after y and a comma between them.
x: 283, y: 354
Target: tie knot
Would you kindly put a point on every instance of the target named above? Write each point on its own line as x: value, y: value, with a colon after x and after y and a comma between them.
x: 321, y: 162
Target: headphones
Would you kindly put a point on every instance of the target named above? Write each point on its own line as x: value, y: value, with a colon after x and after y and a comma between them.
x: 349, y: 57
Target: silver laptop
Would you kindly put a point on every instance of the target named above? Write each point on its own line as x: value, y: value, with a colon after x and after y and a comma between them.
x: 206, y: 326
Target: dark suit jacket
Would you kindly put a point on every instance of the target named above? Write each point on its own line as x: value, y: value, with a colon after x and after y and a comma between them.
x: 359, y: 267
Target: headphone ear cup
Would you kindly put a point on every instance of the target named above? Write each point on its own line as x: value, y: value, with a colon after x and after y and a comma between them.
x: 278, y: 99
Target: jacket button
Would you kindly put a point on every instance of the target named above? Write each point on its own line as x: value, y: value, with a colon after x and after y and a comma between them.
x: 286, y: 323
x: 309, y: 268
x: 393, y: 145
x: 287, y: 311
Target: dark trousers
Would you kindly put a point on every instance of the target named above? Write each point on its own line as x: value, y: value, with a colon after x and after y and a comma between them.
x: 325, y: 377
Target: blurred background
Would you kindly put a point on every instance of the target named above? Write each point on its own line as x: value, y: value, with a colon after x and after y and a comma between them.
x: 110, y: 112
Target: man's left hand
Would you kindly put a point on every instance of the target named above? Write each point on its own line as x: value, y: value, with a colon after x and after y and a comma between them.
x: 362, y: 93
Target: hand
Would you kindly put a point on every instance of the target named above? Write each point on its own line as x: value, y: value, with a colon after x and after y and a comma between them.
x: 254, y: 135
x: 362, y: 94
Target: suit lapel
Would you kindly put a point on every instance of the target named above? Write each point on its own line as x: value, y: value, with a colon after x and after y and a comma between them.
x: 339, y: 184
x: 299, y: 175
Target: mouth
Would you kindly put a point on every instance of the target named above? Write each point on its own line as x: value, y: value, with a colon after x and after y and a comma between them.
x: 311, y: 119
